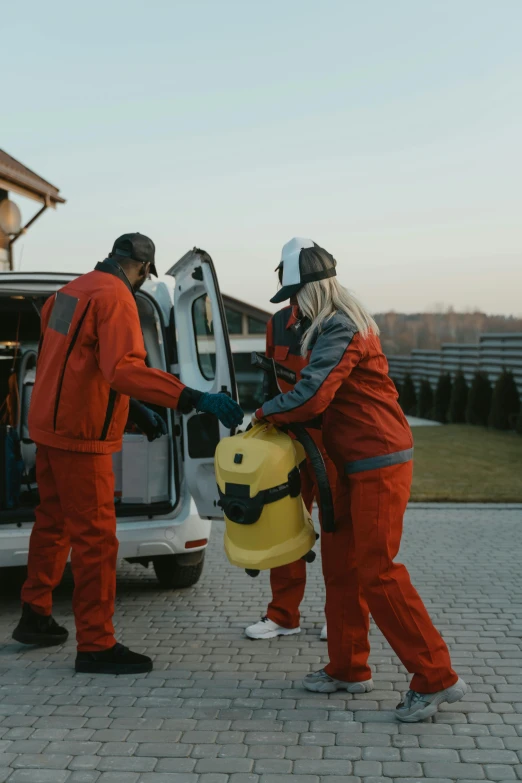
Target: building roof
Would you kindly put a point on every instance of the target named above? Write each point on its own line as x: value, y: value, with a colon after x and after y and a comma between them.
x: 17, y: 177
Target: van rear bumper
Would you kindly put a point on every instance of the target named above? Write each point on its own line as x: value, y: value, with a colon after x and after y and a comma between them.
x: 138, y: 537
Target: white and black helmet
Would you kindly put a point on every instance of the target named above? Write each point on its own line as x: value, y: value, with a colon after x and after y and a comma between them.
x: 302, y: 261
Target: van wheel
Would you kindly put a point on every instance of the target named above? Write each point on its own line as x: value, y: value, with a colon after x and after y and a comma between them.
x: 176, y: 571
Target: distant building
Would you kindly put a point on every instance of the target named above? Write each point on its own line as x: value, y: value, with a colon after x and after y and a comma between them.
x: 247, y: 329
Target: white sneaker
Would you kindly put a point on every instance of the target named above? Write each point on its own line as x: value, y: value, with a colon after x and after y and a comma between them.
x: 419, y: 706
x: 321, y: 682
x: 324, y: 634
x: 267, y: 629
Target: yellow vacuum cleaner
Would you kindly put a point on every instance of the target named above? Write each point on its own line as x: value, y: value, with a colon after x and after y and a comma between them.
x: 259, y: 484
x: 267, y: 523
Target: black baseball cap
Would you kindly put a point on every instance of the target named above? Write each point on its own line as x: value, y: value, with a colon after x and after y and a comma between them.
x: 302, y: 261
x: 138, y: 247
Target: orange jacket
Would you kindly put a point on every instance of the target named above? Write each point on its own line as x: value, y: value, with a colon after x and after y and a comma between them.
x: 91, y: 360
x: 346, y: 380
x: 283, y: 344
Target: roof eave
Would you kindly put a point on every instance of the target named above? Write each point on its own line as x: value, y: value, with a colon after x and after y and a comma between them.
x: 51, y: 199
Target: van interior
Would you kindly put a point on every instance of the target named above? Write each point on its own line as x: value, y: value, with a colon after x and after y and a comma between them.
x: 146, y: 474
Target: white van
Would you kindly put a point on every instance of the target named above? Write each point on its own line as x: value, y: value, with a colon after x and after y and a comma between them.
x: 165, y: 493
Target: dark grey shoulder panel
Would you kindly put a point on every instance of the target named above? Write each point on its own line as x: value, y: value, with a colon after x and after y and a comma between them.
x: 63, y: 313
x: 336, y: 321
x: 329, y: 349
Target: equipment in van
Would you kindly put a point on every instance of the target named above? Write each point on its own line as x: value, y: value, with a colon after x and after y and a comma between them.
x: 11, y: 467
x: 17, y: 385
x: 257, y: 472
x: 141, y: 470
x: 26, y: 381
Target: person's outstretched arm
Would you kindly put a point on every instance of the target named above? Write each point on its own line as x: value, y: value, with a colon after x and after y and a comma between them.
x: 336, y: 352
x: 121, y: 358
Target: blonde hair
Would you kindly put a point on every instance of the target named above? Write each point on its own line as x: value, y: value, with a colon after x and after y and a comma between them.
x: 320, y: 300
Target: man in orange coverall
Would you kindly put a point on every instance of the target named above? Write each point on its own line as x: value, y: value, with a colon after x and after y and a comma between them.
x: 91, y: 360
x: 283, y: 344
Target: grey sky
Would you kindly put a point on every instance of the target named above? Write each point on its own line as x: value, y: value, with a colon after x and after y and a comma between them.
x: 389, y: 132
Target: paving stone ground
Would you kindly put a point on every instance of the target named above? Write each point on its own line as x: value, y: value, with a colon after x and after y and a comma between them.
x: 221, y: 709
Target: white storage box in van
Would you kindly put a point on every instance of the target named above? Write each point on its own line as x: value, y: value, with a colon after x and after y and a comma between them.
x: 143, y: 469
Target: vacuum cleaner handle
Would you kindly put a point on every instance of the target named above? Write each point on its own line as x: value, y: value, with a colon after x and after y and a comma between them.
x: 273, y: 371
x: 321, y: 475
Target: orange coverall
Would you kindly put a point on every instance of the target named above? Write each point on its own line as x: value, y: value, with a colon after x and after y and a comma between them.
x: 91, y: 360
x: 367, y: 436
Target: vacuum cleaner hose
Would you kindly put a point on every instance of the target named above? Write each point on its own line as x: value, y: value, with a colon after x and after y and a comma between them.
x: 319, y: 468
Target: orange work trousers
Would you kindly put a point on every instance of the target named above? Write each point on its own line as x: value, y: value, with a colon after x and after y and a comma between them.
x: 362, y: 577
x: 288, y: 582
x: 76, y: 513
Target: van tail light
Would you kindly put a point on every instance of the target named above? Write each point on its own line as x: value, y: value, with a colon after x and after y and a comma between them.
x: 194, y: 544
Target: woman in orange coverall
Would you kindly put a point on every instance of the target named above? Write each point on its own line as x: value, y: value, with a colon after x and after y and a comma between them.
x: 283, y: 344
x: 368, y: 438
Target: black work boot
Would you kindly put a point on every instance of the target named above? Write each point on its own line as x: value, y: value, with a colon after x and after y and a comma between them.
x: 35, y: 628
x: 115, y: 660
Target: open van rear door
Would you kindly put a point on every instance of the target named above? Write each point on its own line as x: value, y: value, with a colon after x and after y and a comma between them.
x: 205, y: 361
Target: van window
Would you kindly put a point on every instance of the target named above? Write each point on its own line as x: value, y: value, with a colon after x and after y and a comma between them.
x: 203, y: 322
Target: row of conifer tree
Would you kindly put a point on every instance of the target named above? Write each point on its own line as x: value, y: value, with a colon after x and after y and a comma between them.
x: 455, y: 401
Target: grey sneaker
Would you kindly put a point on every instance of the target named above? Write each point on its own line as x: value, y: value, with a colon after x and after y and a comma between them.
x: 321, y: 682
x: 419, y: 706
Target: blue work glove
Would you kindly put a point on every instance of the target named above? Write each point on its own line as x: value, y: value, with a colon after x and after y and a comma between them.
x: 148, y: 421
x: 221, y: 405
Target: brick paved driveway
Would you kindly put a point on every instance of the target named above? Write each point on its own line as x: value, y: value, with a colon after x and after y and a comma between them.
x: 221, y: 709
